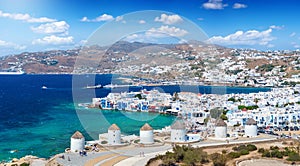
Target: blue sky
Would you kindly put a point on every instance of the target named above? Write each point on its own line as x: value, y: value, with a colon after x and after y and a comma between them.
x: 37, y: 25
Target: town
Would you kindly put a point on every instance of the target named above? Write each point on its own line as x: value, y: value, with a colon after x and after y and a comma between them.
x: 192, y: 63
x: 278, y: 108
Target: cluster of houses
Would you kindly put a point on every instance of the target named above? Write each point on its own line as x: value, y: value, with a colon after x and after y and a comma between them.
x: 278, y: 107
x: 144, y: 101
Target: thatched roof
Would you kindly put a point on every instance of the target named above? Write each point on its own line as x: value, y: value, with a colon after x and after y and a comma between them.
x: 114, y: 127
x: 146, y: 127
x: 77, y: 135
x: 220, y: 122
x: 251, y: 121
x: 178, y: 125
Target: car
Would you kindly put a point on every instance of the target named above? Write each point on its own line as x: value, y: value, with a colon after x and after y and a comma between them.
x: 296, y: 128
x: 286, y: 128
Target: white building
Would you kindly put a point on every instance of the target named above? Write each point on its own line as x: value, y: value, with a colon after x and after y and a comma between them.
x: 221, y: 129
x: 114, y: 135
x: 77, y: 142
x: 146, y: 134
x: 178, y: 131
x: 251, y: 128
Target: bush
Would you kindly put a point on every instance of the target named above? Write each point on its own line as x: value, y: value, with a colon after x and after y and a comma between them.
x: 223, y: 117
x: 266, y: 153
x: 244, y: 152
x: 104, y: 142
x: 261, y: 150
x: 224, y: 151
x: 293, y: 156
x: 234, y: 155
x: 276, y: 153
x: 25, y: 164
x: 218, y: 159
x: 251, y: 147
x: 274, y: 148
x: 239, y: 148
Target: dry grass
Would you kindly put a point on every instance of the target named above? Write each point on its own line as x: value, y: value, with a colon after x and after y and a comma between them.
x: 114, y: 161
x: 98, y: 159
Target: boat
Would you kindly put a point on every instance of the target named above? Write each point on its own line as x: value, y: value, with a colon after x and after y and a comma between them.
x: 44, y: 87
x: 11, y: 72
x: 94, y: 87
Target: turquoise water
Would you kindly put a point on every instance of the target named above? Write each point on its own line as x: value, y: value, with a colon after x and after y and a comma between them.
x: 52, y: 136
x: 40, y: 122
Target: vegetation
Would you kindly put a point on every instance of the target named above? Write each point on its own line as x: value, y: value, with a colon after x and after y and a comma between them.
x: 241, y: 107
x: 183, y: 154
x: 275, y: 152
x: 25, y: 164
x: 223, y: 117
x: 216, y: 112
x: 234, y: 100
x: 266, y: 67
x: 219, y: 159
x: 139, y: 96
x: 104, y: 142
x: 186, y: 155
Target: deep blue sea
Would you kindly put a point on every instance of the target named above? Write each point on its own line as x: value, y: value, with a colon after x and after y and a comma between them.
x: 40, y: 122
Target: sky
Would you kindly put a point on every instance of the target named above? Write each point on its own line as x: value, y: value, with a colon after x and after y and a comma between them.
x: 39, y: 25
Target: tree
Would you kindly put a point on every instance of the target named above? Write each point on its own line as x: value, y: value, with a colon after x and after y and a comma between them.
x: 216, y: 113
x: 223, y: 117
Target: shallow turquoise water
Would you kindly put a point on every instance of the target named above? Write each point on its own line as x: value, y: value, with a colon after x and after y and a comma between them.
x: 52, y: 136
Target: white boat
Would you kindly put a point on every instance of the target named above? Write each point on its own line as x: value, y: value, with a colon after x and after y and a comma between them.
x: 94, y: 87
x: 44, y: 87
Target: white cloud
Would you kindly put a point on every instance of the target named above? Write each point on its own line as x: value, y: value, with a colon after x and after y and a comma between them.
x: 54, y: 40
x: 214, y: 5
x: 153, y: 34
x: 182, y: 41
x: 293, y: 34
x: 119, y: 18
x: 277, y: 27
x: 295, y: 45
x: 54, y: 27
x: 84, y: 19
x: 6, y: 44
x: 103, y: 17
x: 251, y: 37
x: 132, y: 37
x: 164, y: 31
x: 25, y: 17
x: 142, y: 22
x: 168, y: 19
x: 239, y: 6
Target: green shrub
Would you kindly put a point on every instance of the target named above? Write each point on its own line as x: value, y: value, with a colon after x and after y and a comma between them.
x: 104, y: 142
x: 234, y: 155
x: 266, y: 153
x: 25, y: 164
x: 274, y: 147
x: 293, y: 156
x: 251, y: 147
x: 244, y: 152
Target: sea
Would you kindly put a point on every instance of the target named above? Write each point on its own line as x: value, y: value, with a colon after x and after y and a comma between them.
x: 40, y: 122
